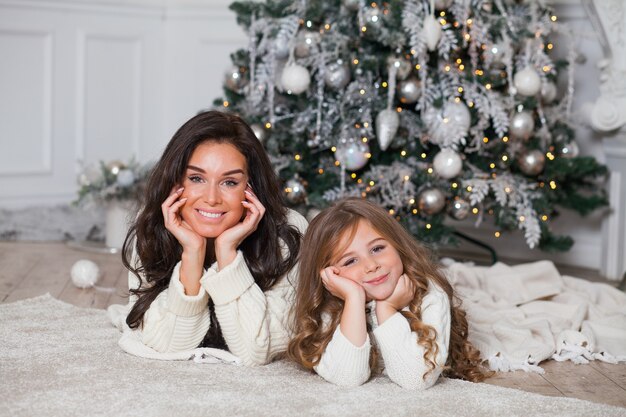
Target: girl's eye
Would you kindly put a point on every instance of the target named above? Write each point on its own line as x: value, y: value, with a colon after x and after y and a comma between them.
x: 195, y: 178
x: 378, y: 248
x: 349, y: 262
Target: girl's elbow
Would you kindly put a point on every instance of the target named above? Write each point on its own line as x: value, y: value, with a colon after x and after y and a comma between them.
x: 416, y: 381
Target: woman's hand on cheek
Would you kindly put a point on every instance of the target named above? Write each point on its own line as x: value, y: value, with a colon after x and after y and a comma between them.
x: 226, y: 244
x: 341, y: 287
x: 400, y: 298
x: 174, y: 223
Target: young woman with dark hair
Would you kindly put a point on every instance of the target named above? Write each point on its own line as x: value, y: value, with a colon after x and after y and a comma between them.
x: 212, y: 253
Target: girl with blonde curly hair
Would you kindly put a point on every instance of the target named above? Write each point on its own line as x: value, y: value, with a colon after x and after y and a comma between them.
x: 364, y: 278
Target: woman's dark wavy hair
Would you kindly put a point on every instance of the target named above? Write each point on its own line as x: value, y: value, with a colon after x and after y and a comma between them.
x: 158, y: 251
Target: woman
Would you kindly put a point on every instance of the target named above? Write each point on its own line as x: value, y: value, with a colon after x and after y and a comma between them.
x: 212, y: 253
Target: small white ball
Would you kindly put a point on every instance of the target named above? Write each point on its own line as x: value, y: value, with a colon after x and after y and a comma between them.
x: 85, y: 273
x: 527, y: 82
x: 295, y: 78
x: 447, y: 163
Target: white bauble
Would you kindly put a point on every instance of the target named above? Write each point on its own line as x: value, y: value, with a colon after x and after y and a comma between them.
x: 306, y: 41
x: 353, y: 154
x: 234, y: 79
x: 548, y: 92
x: 458, y: 113
x: 431, y: 32
x: 387, y: 122
x: 295, y: 79
x: 522, y: 125
x: 447, y: 163
x: 85, y: 273
x: 527, y: 82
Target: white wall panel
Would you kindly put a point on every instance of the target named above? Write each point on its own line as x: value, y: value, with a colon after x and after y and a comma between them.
x: 25, y: 90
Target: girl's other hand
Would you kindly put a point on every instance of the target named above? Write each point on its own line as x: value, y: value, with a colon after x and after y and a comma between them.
x: 227, y: 243
x: 400, y: 298
x: 341, y: 287
x: 174, y: 223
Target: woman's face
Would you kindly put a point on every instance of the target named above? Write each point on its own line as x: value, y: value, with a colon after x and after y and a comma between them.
x: 215, y: 181
x: 370, y: 261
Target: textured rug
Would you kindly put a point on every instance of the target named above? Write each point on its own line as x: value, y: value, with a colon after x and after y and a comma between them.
x: 60, y: 360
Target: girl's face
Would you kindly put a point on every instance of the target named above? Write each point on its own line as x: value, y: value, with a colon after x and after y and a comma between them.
x: 215, y: 182
x: 370, y: 261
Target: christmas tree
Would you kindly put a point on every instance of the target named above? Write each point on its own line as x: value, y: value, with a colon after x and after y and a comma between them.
x: 440, y: 111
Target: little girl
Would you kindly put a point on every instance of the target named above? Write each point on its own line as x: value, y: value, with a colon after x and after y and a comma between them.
x: 363, y: 276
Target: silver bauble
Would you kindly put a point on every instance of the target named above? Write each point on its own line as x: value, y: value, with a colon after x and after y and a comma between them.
x: 498, y: 52
x: 522, y: 125
x: 260, y: 132
x: 447, y: 163
x: 337, y: 75
x: 372, y: 16
x: 125, y: 178
x: 295, y: 190
x: 306, y: 41
x: 531, y: 162
x: 234, y: 79
x: 352, y: 154
x: 459, y: 209
x: 295, y: 79
x: 442, y: 4
x: 387, y: 122
x: 404, y: 66
x: 570, y: 150
x: 409, y: 90
x: 431, y: 201
x: 114, y: 167
x: 351, y: 4
x: 281, y: 48
x: 527, y: 81
x: 548, y: 92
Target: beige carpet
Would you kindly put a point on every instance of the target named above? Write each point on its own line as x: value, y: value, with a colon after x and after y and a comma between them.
x: 60, y: 360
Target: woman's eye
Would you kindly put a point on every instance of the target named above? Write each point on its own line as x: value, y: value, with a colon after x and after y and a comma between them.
x: 230, y: 183
x: 195, y: 178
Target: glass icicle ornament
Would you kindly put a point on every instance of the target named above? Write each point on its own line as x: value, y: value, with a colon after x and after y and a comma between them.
x: 387, y: 122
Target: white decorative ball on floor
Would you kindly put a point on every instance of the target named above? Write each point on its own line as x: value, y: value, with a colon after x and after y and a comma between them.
x: 527, y: 82
x: 85, y: 273
x: 447, y: 163
x: 295, y: 79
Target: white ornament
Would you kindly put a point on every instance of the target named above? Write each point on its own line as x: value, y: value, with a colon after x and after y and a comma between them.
x: 387, y: 123
x: 281, y: 48
x: 548, y: 92
x: 447, y: 163
x: 431, y: 32
x: 85, y: 273
x: 570, y: 150
x: 353, y: 155
x: 409, y: 90
x: 531, y: 162
x: 522, y: 125
x: 125, y: 178
x: 295, y: 79
x: 337, y: 75
x: 527, y: 82
x: 306, y: 41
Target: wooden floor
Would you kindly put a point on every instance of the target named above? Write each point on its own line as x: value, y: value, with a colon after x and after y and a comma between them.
x: 32, y: 269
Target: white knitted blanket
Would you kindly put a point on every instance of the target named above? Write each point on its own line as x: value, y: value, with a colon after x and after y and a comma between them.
x: 521, y: 315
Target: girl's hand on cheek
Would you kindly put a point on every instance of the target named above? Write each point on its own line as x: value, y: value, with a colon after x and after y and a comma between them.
x: 175, y: 224
x: 227, y: 243
x: 400, y: 298
x: 341, y: 287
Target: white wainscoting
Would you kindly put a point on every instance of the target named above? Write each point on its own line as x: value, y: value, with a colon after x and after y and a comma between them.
x: 90, y: 80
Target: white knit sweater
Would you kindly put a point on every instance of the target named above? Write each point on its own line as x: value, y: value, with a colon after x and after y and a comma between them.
x: 254, y: 324
x: 344, y: 364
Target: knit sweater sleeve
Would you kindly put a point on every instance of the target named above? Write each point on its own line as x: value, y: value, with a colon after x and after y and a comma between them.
x: 403, y: 357
x: 174, y: 321
x: 344, y: 364
x: 254, y: 324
